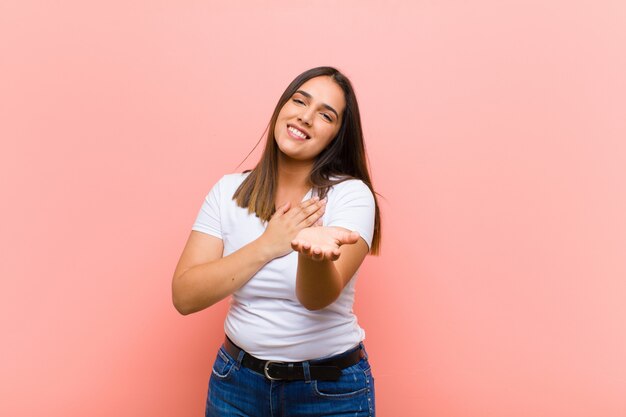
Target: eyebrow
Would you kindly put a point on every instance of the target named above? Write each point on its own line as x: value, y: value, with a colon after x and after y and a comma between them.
x: 326, y: 106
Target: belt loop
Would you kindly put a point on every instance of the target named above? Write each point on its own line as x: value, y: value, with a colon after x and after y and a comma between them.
x: 363, y: 351
x: 239, y: 359
x: 307, y: 371
x: 290, y: 371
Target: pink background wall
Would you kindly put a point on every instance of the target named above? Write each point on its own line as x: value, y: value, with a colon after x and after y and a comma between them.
x: 496, y: 133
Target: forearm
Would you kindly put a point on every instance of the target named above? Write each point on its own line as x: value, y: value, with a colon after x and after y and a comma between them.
x: 203, y: 285
x: 318, y: 283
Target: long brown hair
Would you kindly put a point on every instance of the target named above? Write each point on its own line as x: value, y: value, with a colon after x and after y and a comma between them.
x: 345, y: 158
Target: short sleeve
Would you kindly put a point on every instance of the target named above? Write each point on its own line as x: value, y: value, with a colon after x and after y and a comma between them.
x: 353, y: 207
x: 208, y: 219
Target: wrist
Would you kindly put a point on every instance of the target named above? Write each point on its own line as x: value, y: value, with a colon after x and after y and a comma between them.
x: 264, y: 249
x: 309, y: 261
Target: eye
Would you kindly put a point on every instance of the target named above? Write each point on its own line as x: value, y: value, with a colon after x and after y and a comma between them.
x: 297, y: 100
x: 327, y: 117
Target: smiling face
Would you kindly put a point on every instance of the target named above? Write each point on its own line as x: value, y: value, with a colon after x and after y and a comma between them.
x: 310, y: 119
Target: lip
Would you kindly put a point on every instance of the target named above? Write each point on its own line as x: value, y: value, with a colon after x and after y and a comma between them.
x: 308, y: 136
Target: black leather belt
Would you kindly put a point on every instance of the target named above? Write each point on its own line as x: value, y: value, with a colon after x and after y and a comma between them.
x: 325, y: 370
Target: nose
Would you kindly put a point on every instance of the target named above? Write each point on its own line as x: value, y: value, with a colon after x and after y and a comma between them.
x: 306, y: 116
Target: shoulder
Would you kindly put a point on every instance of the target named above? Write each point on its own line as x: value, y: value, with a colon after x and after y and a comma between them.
x: 234, y: 179
x: 351, y: 187
x: 351, y: 205
x: 230, y: 182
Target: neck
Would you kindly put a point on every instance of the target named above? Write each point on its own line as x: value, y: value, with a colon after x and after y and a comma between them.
x: 293, y: 173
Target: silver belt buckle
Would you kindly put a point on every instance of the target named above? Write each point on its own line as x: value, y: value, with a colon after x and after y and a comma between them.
x: 266, y: 369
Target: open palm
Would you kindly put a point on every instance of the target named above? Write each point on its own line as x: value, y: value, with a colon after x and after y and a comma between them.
x: 320, y: 243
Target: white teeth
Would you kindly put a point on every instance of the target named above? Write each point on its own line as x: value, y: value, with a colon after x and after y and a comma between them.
x: 297, y: 132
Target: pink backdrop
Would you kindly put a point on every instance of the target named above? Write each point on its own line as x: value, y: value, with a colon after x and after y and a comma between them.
x: 496, y: 134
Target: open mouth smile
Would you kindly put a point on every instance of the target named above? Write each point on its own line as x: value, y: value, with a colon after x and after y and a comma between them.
x: 297, y: 133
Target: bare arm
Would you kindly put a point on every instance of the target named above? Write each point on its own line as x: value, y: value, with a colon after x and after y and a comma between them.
x: 203, y: 277
x: 328, y: 258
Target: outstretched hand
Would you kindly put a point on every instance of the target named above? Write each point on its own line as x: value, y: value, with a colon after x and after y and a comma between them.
x: 322, y: 243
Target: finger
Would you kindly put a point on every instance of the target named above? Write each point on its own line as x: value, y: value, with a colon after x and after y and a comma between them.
x: 347, y: 238
x: 314, y: 219
x: 306, y: 249
x: 309, y: 210
x: 331, y: 254
x: 283, y: 209
x: 303, y: 248
x: 327, y: 255
x: 317, y: 253
x: 308, y: 216
x: 308, y: 203
x: 296, y: 212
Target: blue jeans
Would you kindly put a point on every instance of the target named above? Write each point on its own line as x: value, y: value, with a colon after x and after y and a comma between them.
x: 235, y: 390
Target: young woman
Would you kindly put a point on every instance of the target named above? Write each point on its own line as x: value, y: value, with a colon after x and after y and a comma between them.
x: 286, y: 241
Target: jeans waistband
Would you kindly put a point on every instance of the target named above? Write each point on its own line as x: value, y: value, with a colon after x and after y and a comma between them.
x: 323, y: 368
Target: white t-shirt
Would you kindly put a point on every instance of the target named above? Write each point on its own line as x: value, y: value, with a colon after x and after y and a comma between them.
x: 265, y: 317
